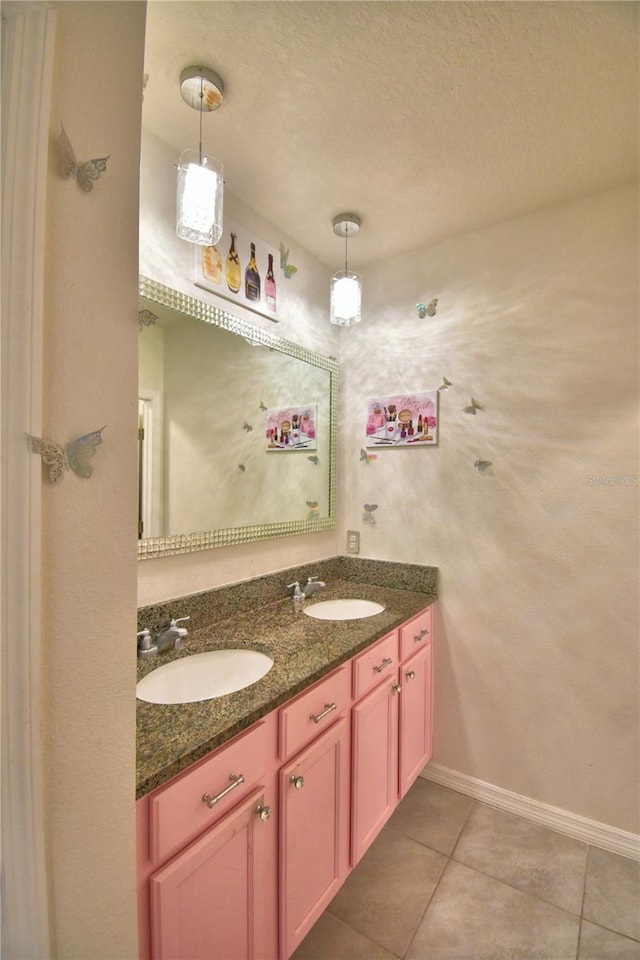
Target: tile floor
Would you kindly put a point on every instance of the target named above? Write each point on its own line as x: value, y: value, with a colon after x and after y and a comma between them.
x: 453, y: 879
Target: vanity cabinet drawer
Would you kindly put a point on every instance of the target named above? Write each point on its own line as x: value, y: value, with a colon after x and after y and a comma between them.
x: 313, y: 711
x: 376, y: 663
x: 415, y: 634
x: 180, y: 811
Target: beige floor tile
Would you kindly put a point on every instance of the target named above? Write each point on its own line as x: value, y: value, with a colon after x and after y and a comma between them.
x: 537, y: 861
x: 386, y: 895
x: 596, y: 943
x: 612, y: 894
x: 331, y: 939
x: 474, y: 917
x: 432, y: 815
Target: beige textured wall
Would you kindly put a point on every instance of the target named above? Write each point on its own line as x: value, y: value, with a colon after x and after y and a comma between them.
x: 89, y: 549
x: 536, y: 671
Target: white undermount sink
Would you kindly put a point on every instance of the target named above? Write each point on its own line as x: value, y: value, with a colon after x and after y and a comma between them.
x: 346, y: 609
x: 203, y: 676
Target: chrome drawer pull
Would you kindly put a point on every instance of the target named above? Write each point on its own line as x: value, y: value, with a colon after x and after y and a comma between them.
x: 418, y: 637
x: 297, y: 782
x: 328, y: 708
x: 385, y: 663
x: 410, y: 674
x: 235, y: 782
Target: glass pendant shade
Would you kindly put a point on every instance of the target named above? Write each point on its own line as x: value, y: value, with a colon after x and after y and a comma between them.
x: 199, y: 198
x: 346, y: 298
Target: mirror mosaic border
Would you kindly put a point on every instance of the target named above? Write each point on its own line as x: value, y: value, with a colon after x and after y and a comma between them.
x: 208, y: 539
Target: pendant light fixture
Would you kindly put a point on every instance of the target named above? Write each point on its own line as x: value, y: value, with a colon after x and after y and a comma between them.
x: 346, y: 289
x: 200, y: 177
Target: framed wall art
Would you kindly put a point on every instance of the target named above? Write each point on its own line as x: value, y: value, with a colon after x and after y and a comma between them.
x: 242, y: 268
x: 292, y: 428
x: 403, y: 420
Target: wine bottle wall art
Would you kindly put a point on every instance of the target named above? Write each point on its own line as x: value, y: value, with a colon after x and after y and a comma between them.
x: 240, y: 268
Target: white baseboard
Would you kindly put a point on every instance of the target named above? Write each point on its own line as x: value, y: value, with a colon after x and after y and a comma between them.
x: 571, y: 824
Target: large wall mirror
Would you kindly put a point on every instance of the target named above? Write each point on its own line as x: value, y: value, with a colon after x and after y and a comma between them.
x: 237, y: 438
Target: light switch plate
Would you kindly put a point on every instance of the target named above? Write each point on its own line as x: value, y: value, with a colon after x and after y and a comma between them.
x: 353, y: 541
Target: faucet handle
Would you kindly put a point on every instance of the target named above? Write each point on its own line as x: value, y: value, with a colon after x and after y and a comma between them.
x: 311, y: 579
x: 180, y: 632
x: 294, y: 587
x: 144, y: 639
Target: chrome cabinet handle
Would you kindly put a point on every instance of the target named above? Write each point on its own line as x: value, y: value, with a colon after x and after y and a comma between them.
x: 423, y: 633
x: 264, y: 812
x: 235, y: 782
x: 385, y: 663
x: 297, y: 782
x: 397, y: 687
x: 410, y: 674
x: 328, y: 708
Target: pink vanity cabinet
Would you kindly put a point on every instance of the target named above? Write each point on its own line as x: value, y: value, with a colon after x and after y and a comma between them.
x: 416, y: 699
x: 207, y: 871
x: 391, y: 726
x: 314, y: 803
x: 293, y: 803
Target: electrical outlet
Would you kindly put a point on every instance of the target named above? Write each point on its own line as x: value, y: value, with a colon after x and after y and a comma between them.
x: 353, y: 541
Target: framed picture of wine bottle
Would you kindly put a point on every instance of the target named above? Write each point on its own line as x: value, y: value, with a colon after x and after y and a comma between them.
x: 242, y: 268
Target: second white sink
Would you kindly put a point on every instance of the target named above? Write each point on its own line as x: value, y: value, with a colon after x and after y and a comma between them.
x: 203, y: 676
x: 347, y: 609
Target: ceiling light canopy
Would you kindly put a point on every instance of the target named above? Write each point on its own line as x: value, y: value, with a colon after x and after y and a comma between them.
x: 200, y: 181
x: 346, y: 288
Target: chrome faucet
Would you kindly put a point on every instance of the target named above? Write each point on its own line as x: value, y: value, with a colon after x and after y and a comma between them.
x: 298, y: 593
x: 171, y: 638
x: 166, y: 640
x: 311, y: 586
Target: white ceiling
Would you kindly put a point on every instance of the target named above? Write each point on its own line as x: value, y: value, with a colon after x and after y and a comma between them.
x: 428, y: 119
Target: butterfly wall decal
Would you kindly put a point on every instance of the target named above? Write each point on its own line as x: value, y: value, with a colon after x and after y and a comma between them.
x: 76, y: 456
x: 367, y: 457
x: 445, y: 384
x: 247, y: 426
x: 262, y: 406
x: 368, y: 516
x: 429, y: 310
x: 313, y: 509
x: 287, y: 268
x: 241, y: 467
x: 314, y: 460
x: 146, y: 318
x: 473, y: 406
x: 83, y: 172
x: 482, y: 465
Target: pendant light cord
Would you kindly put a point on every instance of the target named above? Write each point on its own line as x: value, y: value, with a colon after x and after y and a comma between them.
x: 346, y: 234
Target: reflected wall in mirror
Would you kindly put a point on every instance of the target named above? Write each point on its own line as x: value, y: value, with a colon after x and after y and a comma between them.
x: 209, y: 475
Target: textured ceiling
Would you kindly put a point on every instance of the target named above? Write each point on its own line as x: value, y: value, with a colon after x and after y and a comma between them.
x: 428, y: 119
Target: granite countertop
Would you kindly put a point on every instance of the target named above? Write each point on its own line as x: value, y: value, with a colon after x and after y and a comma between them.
x: 170, y: 737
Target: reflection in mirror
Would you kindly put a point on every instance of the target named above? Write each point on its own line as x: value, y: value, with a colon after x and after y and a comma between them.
x: 237, y: 429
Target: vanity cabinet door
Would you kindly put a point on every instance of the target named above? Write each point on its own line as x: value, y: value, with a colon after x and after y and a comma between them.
x: 415, y: 735
x: 214, y: 901
x: 314, y: 832
x: 374, y: 786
